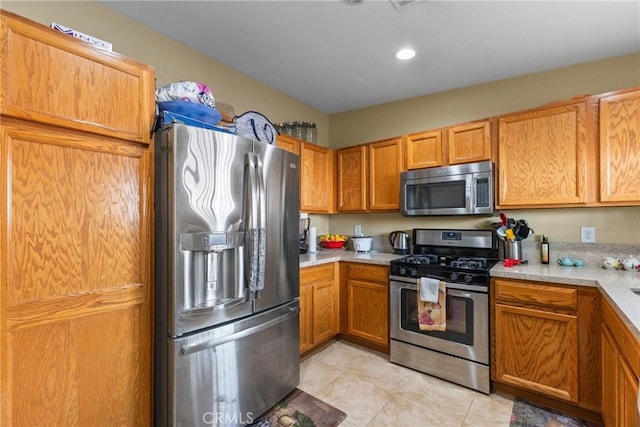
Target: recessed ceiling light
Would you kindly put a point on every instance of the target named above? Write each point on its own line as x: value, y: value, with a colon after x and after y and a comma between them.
x: 404, y: 54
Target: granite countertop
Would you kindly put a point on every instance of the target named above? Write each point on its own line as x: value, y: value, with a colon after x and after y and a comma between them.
x: 615, y: 285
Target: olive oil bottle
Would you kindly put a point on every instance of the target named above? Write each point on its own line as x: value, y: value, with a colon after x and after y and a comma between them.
x: 544, y: 250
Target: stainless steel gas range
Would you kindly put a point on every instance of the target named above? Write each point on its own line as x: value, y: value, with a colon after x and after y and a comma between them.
x: 459, y: 260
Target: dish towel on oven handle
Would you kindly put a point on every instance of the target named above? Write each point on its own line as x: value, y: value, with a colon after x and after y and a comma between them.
x: 432, y: 304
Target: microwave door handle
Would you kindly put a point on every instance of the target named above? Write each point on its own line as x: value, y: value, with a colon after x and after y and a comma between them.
x: 472, y: 194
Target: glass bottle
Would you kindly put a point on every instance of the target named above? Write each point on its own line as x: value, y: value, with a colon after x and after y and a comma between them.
x: 297, y: 130
x: 311, y: 133
x: 544, y: 250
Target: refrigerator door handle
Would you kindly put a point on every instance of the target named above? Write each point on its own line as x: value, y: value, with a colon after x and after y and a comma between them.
x: 252, y: 206
x: 262, y: 231
x: 194, y: 348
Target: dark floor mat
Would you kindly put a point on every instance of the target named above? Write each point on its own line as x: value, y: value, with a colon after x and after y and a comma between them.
x: 525, y: 414
x: 303, y: 408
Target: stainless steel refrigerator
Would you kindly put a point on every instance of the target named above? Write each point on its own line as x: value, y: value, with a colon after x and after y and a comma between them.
x: 227, y: 277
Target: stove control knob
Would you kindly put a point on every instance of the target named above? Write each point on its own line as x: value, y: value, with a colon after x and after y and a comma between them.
x: 403, y: 271
x: 454, y: 276
x: 468, y: 278
x: 414, y: 272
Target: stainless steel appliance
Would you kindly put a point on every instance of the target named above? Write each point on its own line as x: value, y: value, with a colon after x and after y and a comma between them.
x: 465, y: 189
x: 227, y: 277
x: 462, y: 259
x: 400, y: 242
x: 303, y: 229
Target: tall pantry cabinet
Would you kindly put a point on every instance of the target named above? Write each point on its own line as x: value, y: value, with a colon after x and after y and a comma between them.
x: 75, y: 231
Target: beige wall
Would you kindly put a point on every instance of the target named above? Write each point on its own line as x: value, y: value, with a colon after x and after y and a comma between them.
x: 174, y: 61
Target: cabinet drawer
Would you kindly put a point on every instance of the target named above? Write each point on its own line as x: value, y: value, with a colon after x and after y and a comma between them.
x: 376, y: 273
x: 317, y: 274
x: 536, y: 294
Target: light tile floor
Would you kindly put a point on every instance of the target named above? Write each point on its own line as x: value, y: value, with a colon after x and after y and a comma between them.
x: 375, y: 392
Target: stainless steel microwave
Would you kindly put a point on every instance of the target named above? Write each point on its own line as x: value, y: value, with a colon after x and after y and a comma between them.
x: 465, y: 189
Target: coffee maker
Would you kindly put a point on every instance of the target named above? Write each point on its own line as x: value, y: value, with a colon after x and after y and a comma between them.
x: 303, y: 228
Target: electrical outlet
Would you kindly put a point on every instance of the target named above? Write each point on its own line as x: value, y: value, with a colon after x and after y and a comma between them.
x: 588, y: 234
x: 358, y: 230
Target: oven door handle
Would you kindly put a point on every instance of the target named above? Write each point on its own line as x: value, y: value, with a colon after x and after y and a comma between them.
x: 450, y: 286
x: 459, y: 293
x: 462, y: 287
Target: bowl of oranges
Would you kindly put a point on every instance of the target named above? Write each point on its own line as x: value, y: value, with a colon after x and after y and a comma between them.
x: 333, y: 241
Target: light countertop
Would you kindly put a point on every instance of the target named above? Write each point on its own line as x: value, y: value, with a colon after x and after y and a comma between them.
x: 325, y: 256
x: 615, y: 285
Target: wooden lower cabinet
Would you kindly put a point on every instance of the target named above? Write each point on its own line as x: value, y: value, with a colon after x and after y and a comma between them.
x: 319, y: 305
x: 537, y: 350
x: 620, y: 371
x: 365, y: 304
x: 545, y: 340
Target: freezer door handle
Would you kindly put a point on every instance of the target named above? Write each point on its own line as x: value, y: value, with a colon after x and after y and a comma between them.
x: 197, y: 311
x: 194, y: 348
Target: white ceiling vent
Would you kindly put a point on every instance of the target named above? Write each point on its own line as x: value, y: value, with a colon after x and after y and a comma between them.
x: 401, y: 4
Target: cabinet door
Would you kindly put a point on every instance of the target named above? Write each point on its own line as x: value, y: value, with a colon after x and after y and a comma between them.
x: 52, y: 78
x: 424, y: 150
x: 620, y: 148
x: 288, y: 143
x: 537, y: 350
x: 542, y: 157
x: 325, y: 311
x: 609, y: 379
x: 74, y: 288
x: 628, y: 394
x: 368, y: 311
x: 352, y: 179
x: 469, y: 143
x: 316, y: 178
x: 386, y: 162
x: 306, y: 318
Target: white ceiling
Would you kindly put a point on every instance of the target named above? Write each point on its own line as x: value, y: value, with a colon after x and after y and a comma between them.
x: 338, y: 57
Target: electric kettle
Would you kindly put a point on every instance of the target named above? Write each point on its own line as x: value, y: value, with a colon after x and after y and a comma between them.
x: 400, y: 242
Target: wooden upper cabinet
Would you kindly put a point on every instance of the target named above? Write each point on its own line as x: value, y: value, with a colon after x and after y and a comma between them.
x: 317, y: 165
x: 288, y: 143
x: 316, y: 178
x: 52, y: 78
x: 469, y: 142
x: 386, y: 163
x: 542, y: 156
x: 620, y: 148
x: 424, y: 149
x: 369, y: 176
x: 352, y: 178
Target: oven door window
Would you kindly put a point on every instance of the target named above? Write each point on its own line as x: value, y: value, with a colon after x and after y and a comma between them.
x: 459, y: 317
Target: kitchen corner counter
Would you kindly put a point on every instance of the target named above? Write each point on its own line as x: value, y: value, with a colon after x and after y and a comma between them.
x: 323, y: 257
x: 615, y: 285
